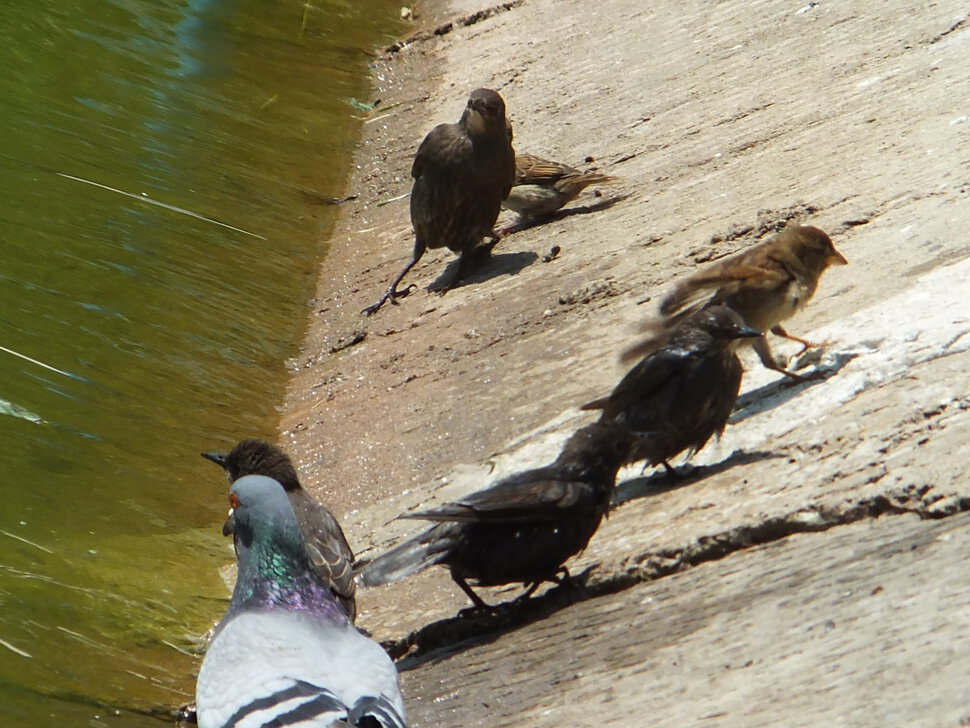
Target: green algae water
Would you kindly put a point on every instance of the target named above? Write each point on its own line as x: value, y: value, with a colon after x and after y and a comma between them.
x: 162, y: 168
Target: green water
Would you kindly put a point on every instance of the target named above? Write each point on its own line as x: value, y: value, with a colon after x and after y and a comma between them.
x: 169, y: 330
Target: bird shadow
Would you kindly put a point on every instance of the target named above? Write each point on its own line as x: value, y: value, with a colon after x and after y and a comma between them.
x: 522, y: 225
x: 486, y: 268
x: 779, y: 391
x: 662, y: 481
x: 438, y: 641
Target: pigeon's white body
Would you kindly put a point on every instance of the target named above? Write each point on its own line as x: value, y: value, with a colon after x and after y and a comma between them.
x: 262, y: 665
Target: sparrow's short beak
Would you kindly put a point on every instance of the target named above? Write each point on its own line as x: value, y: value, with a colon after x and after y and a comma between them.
x: 837, y: 258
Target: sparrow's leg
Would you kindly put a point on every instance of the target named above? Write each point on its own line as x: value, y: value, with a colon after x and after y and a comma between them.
x: 763, y: 350
x: 779, y: 330
x: 392, y: 294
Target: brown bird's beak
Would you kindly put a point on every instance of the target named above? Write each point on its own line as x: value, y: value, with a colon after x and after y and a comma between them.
x: 837, y: 258
x: 746, y: 332
x: 219, y: 458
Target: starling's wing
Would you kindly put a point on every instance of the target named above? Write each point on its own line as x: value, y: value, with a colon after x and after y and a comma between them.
x: 327, y: 547
x: 443, y: 148
x: 643, y: 381
x: 541, y: 494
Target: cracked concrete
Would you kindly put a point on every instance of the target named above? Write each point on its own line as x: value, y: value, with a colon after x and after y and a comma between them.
x: 811, y: 566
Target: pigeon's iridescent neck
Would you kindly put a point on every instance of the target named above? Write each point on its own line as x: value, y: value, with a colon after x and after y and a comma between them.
x: 301, y: 594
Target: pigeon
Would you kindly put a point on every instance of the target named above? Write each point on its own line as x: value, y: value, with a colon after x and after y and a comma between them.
x: 522, y: 528
x: 461, y: 172
x: 285, y: 653
x: 765, y: 284
x: 541, y: 187
x: 330, y: 553
x: 683, y: 389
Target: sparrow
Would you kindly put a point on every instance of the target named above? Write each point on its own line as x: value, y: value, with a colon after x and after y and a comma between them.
x: 521, y: 528
x: 461, y: 172
x: 330, y: 553
x: 286, y: 653
x: 541, y: 187
x: 765, y: 284
x: 683, y: 388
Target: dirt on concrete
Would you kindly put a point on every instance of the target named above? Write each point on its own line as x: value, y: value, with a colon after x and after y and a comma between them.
x: 812, y: 567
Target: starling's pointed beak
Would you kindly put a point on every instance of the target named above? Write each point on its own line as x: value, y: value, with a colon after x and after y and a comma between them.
x: 837, y: 258
x: 219, y: 458
x: 746, y: 332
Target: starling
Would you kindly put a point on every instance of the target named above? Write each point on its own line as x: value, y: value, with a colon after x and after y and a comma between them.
x: 330, y: 553
x: 765, y: 285
x: 683, y: 389
x: 461, y: 172
x: 541, y: 187
x: 285, y: 653
x: 521, y: 528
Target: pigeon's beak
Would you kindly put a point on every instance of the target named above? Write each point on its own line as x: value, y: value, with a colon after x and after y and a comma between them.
x: 227, y: 526
x: 219, y: 458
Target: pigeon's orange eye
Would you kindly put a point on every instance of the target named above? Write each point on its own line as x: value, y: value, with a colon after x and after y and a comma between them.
x: 233, y: 500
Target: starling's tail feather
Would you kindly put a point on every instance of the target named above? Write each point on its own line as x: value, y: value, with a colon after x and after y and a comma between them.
x: 420, y: 552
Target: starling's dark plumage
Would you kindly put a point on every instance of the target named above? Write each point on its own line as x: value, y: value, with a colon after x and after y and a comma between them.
x: 520, y: 529
x: 330, y: 553
x: 765, y: 284
x: 285, y: 653
x: 683, y: 389
x: 541, y: 187
x: 461, y: 172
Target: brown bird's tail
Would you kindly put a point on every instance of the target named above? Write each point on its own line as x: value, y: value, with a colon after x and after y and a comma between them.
x: 424, y: 550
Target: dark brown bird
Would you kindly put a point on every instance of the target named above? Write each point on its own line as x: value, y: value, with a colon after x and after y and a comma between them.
x: 461, y: 172
x: 521, y: 528
x: 326, y: 544
x: 541, y: 187
x: 766, y: 284
x: 683, y: 389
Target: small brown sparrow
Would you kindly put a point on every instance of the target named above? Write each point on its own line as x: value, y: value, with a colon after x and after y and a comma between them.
x: 461, y: 172
x: 765, y: 284
x: 541, y: 187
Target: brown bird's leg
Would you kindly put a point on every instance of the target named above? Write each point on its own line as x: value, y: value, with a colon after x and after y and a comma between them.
x: 763, y: 350
x: 443, y: 286
x: 779, y: 330
x: 528, y: 592
x: 476, y: 600
x: 391, y: 294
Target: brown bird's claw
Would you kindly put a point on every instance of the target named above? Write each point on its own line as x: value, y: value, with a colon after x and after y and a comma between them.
x: 779, y: 330
x: 390, y: 295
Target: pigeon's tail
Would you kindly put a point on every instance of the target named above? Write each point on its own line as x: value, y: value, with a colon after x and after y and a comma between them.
x: 424, y: 550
